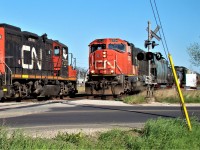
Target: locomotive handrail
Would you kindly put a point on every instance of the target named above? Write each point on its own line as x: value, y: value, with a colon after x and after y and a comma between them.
x: 5, y: 71
x: 117, y: 65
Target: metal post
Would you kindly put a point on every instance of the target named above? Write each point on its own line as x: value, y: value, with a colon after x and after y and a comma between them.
x: 149, y: 92
x: 71, y: 58
x: 74, y: 63
x: 149, y: 47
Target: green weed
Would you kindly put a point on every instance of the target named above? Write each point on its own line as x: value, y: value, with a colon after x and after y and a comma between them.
x: 156, y: 134
x: 134, y: 99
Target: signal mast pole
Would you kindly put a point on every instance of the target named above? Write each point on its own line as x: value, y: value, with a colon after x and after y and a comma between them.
x: 149, y: 47
x: 149, y: 44
x: 149, y: 90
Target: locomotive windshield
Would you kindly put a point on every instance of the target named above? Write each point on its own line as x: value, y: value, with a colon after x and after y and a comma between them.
x: 95, y: 47
x: 118, y: 47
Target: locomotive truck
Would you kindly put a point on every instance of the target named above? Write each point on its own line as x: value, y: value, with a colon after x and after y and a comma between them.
x: 114, y: 68
x: 33, y: 66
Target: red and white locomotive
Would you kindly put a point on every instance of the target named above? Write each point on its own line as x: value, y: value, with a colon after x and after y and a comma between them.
x: 114, y: 68
x: 32, y: 65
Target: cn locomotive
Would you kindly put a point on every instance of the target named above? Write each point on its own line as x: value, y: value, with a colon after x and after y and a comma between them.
x: 33, y: 66
x: 114, y: 68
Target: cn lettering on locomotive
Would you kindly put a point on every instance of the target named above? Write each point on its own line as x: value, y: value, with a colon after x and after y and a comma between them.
x: 103, y: 64
x: 33, y: 56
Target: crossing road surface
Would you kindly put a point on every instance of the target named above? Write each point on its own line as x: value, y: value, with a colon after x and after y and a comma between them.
x: 86, y: 114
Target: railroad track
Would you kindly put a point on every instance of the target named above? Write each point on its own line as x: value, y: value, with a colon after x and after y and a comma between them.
x: 76, y: 97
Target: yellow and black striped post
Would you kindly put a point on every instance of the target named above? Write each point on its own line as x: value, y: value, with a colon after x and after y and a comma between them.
x: 180, y: 93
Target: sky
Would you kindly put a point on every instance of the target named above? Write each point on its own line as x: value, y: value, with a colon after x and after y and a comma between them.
x: 76, y: 23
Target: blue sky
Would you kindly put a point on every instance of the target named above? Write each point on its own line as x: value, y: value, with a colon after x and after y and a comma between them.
x: 78, y: 22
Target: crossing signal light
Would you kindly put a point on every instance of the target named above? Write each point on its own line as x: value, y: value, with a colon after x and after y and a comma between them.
x: 146, y: 43
x: 149, y: 55
x: 140, y: 56
x: 158, y: 56
x: 153, y: 44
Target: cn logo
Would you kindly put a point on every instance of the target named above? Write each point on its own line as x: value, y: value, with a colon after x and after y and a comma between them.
x: 33, y: 55
x: 104, y: 64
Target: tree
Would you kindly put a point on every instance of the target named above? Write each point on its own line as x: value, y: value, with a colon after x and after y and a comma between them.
x: 81, y: 72
x: 194, y: 53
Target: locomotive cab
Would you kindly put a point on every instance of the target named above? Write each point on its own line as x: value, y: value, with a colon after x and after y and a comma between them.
x: 109, y: 56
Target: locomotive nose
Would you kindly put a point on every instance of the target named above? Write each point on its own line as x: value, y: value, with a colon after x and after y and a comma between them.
x: 104, y: 62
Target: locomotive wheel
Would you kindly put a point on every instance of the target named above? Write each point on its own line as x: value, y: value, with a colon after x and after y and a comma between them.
x: 103, y: 97
x: 40, y: 98
x: 72, y: 95
x: 90, y: 97
x: 115, y: 96
x: 2, y: 100
x: 61, y: 96
x: 18, y: 99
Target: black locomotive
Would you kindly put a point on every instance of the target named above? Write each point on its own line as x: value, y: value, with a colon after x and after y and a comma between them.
x: 33, y: 65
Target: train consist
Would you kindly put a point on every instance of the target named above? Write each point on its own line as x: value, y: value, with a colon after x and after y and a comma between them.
x: 114, y: 68
x: 33, y: 66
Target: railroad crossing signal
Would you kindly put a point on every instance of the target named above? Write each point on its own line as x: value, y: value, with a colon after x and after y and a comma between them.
x: 149, y: 56
x: 153, y: 34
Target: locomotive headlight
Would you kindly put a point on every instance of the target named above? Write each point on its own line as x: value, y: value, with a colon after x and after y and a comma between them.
x: 112, y: 71
x: 104, y: 54
x: 92, y: 71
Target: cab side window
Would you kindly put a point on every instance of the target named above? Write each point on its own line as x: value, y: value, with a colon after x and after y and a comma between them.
x: 56, y: 50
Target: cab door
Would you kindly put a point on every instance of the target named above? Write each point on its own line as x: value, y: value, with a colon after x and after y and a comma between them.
x: 64, y: 66
x: 129, y: 64
x: 57, y: 59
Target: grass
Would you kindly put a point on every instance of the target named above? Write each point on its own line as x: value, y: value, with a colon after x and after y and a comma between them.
x: 156, y: 134
x: 170, y: 134
x: 165, y: 95
x: 171, y: 96
x: 134, y: 99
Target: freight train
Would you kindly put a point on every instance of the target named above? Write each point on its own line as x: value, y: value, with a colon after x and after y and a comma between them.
x: 114, y: 68
x: 33, y: 66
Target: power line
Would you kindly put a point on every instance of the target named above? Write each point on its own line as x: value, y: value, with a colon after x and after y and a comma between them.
x: 160, y: 26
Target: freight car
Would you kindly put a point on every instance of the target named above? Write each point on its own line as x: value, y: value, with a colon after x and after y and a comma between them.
x: 114, y: 68
x: 181, y: 74
x: 33, y: 66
